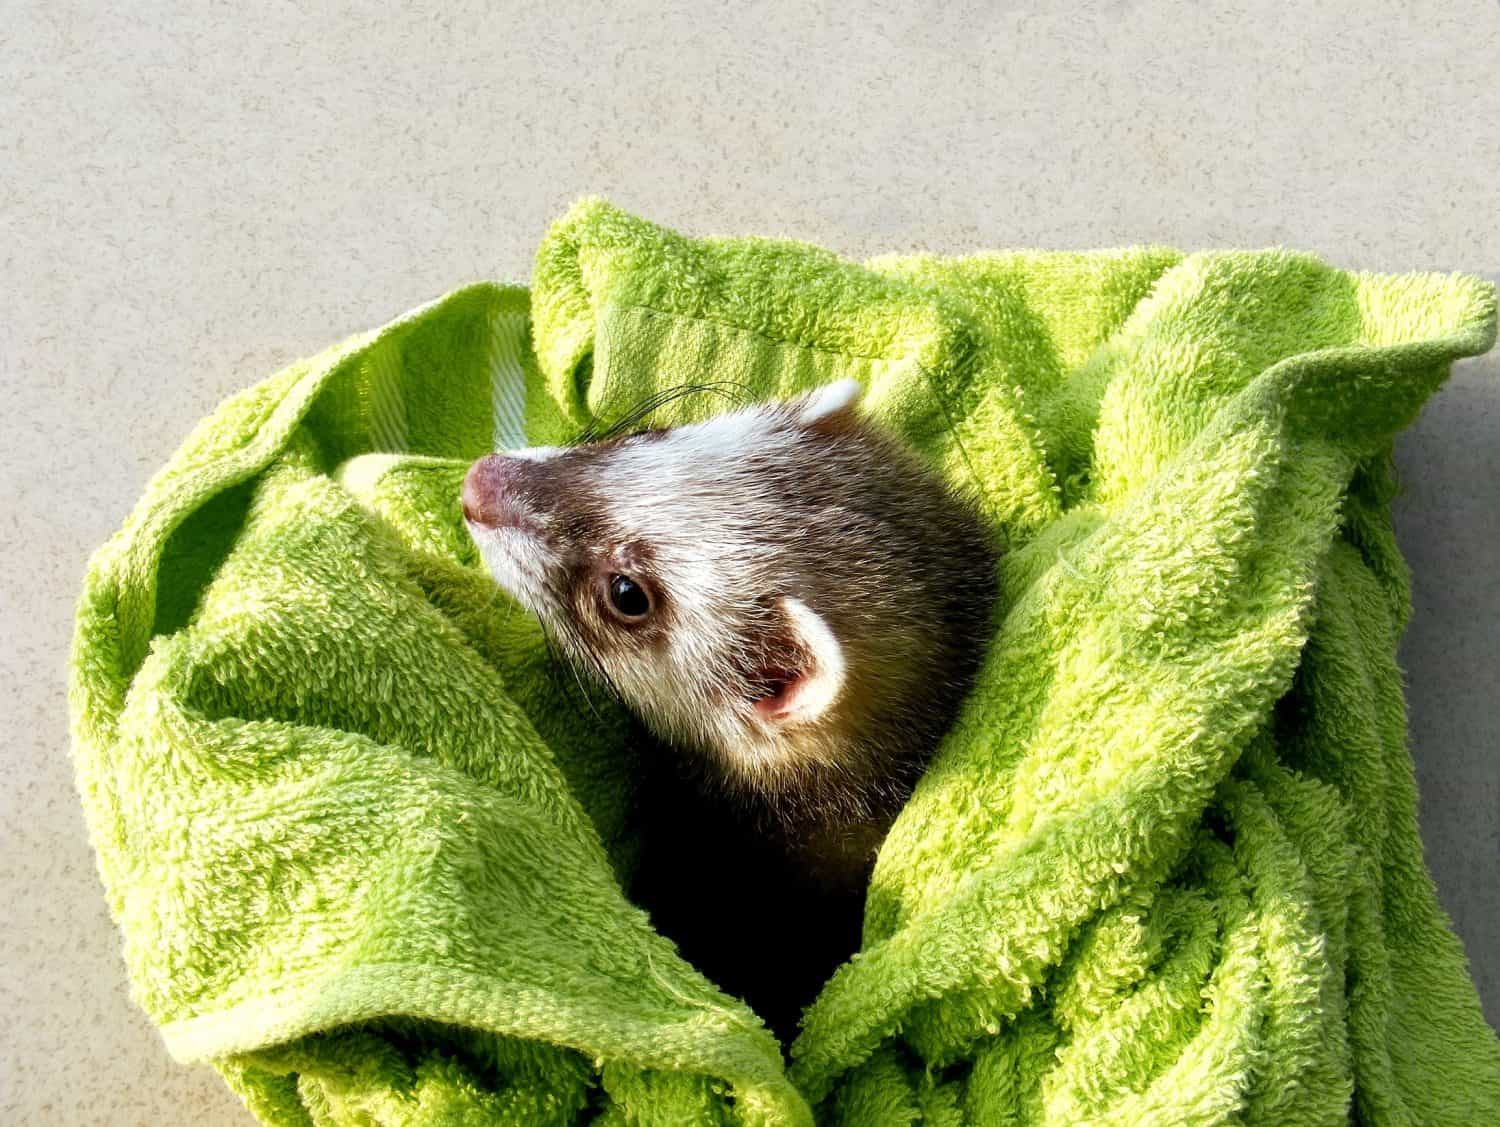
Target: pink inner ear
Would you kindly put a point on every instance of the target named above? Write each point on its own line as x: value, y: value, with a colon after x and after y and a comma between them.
x: 780, y: 700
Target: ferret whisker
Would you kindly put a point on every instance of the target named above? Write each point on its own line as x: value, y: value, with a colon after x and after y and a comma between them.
x: 601, y: 676
x: 642, y: 410
x: 575, y: 682
x: 601, y: 672
x: 587, y: 696
x: 497, y: 593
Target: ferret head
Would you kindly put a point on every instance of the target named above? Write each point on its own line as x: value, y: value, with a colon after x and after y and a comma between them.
x: 786, y: 589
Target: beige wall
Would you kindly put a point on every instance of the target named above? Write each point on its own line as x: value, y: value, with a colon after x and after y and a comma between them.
x: 192, y: 195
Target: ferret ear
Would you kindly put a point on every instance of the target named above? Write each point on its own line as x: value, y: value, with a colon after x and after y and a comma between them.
x: 808, y: 684
x: 831, y: 405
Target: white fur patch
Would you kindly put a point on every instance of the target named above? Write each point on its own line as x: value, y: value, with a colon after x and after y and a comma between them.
x: 535, y: 453
x: 663, y: 484
x: 519, y: 563
x: 829, y: 399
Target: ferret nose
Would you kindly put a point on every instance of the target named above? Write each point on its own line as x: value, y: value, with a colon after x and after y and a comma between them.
x: 486, y: 491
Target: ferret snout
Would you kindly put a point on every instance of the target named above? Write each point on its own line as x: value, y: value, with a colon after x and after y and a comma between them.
x: 494, y: 489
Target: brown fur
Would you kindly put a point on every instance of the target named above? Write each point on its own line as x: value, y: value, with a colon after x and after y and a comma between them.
x: 835, y: 512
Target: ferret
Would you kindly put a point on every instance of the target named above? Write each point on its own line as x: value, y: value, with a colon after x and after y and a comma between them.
x: 790, y: 600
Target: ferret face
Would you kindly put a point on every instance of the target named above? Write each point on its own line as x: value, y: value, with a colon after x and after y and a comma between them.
x: 780, y: 588
x: 660, y: 562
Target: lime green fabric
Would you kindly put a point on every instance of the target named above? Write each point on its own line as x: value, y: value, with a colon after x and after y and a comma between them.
x: 366, y: 841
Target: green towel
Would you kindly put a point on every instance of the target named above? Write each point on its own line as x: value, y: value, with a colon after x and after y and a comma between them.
x: 366, y: 841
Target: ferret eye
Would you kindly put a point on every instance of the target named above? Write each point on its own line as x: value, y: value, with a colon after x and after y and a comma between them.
x: 628, y: 597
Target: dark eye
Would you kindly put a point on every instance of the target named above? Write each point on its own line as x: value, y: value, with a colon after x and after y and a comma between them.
x: 628, y: 597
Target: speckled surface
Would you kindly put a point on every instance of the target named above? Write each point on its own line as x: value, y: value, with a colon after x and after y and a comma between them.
x: 192, y: 195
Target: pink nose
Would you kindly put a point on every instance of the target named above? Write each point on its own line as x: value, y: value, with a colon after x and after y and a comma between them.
x: 486, y: 492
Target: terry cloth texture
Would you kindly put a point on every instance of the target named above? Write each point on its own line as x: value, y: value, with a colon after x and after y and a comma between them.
x: 366, y: 841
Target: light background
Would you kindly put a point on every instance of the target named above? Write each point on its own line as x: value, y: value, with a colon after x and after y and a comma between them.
x: 193, y: 195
